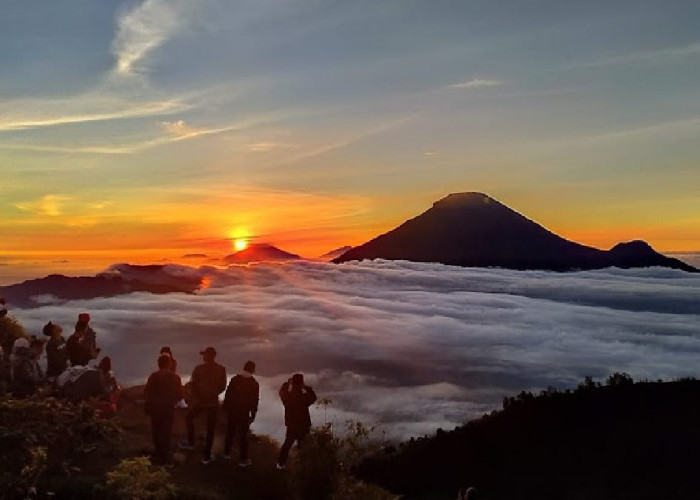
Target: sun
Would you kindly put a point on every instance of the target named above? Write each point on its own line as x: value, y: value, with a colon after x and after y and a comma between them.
x: 240, y: 244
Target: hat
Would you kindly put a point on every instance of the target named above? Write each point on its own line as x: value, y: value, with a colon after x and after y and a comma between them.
x: 166, y: 350
x: 19, y: 343
x: 84, y: 317
x: 297, y: 379
x: 50, y: 328
x: 208, y: 351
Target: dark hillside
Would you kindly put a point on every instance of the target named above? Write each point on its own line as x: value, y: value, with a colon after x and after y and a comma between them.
x: 620, y: 441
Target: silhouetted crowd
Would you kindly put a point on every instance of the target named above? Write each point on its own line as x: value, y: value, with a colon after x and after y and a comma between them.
x: 165, y: 392
x: 70, y: 371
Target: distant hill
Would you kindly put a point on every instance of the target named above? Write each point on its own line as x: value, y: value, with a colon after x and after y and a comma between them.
x: 474, y: 230
x: 121, y: 279
x: 619, y: 441
x: 259, y: 252
x: 333, y: 254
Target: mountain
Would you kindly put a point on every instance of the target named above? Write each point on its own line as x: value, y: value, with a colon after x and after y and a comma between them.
x: 259, y: 252
x: 335, y: 253
x: 120, y: 279
x: 475, y: 230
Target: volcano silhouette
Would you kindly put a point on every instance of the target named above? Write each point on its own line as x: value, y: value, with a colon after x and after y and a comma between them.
x: 474, y: 230
x: 259, y: 252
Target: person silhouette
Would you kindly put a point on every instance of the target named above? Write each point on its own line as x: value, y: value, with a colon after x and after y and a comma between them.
x: 207, y: 382
x: 163, y: 390
x: 296, y: 397
x: 241, y: 406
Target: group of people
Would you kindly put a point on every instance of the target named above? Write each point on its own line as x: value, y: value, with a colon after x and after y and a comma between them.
x: 164, y: 392
x: 68, y: 372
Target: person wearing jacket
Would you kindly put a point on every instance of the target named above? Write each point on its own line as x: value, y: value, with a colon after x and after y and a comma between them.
x: 241, y: 406
x: 56, y: 352
x: 26, y: 373
x: 163, y: 390
x: 296, y: 398
x: 207, y: 382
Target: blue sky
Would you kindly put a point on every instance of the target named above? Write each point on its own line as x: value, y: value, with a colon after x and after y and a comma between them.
x: 145, y: 117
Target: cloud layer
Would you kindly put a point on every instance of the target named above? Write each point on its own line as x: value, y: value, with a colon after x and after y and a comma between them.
x: 409, y: 346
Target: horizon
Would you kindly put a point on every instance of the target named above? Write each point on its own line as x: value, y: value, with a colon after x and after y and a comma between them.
x: 181, y: 127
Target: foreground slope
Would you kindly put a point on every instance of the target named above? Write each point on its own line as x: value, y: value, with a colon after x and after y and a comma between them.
x: 620, y: 441
x: 475, y: 230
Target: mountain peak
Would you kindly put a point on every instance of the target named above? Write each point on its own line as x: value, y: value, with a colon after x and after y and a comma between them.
x: 474, y: 230
x: 463, y: 200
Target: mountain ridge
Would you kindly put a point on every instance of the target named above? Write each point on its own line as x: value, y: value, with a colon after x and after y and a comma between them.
x: 472, y: 229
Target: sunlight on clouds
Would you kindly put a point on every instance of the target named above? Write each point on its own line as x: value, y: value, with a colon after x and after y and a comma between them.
x: 50, y: 205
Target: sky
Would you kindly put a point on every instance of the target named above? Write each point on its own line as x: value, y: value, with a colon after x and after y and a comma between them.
x: 408, y: 346
x: 143, y: 130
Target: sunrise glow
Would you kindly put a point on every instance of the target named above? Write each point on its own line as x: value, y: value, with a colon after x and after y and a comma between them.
x: 240, y: 244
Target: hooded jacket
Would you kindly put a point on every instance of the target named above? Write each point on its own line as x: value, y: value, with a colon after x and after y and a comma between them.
x: 242, y: 396
x: 56, y: 356
x: 296, y: 400
x: 26, y: 373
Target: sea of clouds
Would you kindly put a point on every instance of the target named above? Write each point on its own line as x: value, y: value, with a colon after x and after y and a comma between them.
x: 408, y: 346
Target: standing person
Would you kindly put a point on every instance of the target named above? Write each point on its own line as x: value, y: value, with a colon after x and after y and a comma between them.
x: 89, y: 337
x: 173, y: 362
x: 26, y: 373
x: 5, y: 371
x: 3, y: 308
x: 207, y: 382
x: 163, y: 390
x: 78, y: 354
x: 296, y: 398
x: 241, y: 406
x: 56, y: 352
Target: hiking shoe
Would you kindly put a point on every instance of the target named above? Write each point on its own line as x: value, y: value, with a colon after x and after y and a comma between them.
x: 184, y: 444
x: 245, y: 463
x: 208, y: 460
x: 280, y: 467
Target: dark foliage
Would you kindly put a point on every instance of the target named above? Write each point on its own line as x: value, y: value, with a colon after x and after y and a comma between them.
x: 624, y: 440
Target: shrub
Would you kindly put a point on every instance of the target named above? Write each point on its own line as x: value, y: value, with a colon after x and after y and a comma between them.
x: 137, y: 479
x: 41, y: 439
x: 326, y: 461
x: 10, y: 330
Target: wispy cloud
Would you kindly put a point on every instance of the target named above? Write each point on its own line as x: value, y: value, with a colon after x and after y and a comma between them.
x: 670, y: 128
x: 38, y: 113
x: 49, y: 205
x: 643, y: 57
x: 144, y: 28
x: 266, y: 147
x: 175, y: 132
x: 476, y: 83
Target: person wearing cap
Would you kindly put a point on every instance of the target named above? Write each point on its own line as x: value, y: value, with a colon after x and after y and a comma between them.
x: 296, y: 397
x: 241, y: 406
x: 26, y: 373
x: 56, y: 352
x: 173, y: 362
x: 207, y: 382
x: 163, y: 390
